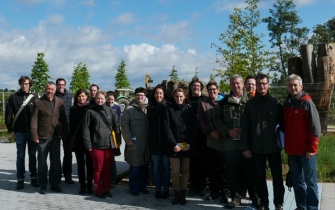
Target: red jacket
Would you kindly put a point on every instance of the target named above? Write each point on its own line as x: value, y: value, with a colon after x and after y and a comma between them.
x: 302, y: 125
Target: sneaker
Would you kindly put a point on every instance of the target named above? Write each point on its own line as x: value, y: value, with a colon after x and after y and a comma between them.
x: 263, y: 208
x: 43, y: 190
x: 212, y: 197
x: 56, y: 189
x: 69, y: 180
x: 192, y: 192
x: 165, y: 194
x: 100, y: 195
x: 108, y: 194
x: 89, y: 190
x: 158, y: 194
x: 82, y: 191
x: 224, y: 199
x: 201, y: 192
x: 279, y: 207
x: 20, y: 185
x: 234, y: 203
x: 144, y: 191
x: 255, y: 201
x: 135, y: 193
x: 34, y: 183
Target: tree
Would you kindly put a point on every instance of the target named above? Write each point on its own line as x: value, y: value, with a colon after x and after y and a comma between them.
x: 285, y: 33
x: 258, y: 58
x: 39, y: 74
x: 174, y: 74
x: 80, y: 78
x: 233, y: 58
x: 121, y: 79
x: 243, y: 52
x: 323, y: 33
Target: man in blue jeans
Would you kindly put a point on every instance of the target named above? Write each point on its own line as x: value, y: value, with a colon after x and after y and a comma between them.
x: 302, y: 132
x: 17, y: 120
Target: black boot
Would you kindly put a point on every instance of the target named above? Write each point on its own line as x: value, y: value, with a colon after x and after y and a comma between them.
x: 175, y: 198
x: 182, y: 198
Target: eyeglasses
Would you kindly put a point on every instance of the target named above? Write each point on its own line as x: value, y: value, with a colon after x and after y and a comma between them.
x: 262, y: 84
x: 213, y: 89
x: 61, y: 84
x: 25, y: 84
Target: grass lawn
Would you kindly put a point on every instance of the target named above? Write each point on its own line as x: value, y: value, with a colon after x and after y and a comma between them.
x: 325, y: 159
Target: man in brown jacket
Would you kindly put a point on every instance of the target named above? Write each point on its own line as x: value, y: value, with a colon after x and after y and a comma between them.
x: 49, y: 125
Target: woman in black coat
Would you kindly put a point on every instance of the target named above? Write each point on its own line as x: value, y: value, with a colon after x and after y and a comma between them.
x: 157, y: 146
x: 179, y: 122
x: 76, y: 143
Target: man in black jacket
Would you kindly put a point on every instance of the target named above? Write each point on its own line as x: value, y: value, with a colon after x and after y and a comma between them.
x: 19, y: 128
x: 62, y: 93
x: 261, y: 116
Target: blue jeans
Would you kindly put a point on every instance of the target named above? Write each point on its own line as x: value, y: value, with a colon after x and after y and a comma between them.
x: 161, y: 176
x: 275, y: 165
x: 138, y: 177
x: 22, y: 139
x: 305, y: 181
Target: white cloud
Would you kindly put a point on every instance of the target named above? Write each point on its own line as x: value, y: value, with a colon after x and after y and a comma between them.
x: 228, y: 5
x: 56, y: 19
x: 124, y: 18
x: 175, y: 32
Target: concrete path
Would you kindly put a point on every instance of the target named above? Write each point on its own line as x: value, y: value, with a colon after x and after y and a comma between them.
x: 29, y: 198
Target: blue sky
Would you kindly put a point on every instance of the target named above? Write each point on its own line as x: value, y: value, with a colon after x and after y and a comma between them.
x: 150, y: 35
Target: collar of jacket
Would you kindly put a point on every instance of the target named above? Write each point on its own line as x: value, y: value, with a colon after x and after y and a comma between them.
x: 21, y: 93
x: 44, y: 97
x: 62, y: 94
x: 244, y: 98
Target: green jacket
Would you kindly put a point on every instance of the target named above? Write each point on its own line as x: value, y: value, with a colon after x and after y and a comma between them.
x: 223, y: 115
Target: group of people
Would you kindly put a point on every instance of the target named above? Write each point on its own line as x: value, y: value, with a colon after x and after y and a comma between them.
x: 190, y: 139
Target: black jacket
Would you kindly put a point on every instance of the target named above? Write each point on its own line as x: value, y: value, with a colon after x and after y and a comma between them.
x: 77, y: 114
x: 179, y: 122
x: 67, y: 98
x: 22, y: 123
x: 96, y: 132
x: 157, y: 144
x: 261, y: 116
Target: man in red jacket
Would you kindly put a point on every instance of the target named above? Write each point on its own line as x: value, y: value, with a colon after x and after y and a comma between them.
x: 302, y: 131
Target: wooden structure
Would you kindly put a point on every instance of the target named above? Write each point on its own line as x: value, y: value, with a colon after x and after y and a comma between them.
x: 318, y: 74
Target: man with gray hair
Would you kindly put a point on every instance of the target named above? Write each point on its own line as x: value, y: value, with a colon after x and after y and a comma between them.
x: 48, y: 126
x: 226, y: 119
x: 302, y: 132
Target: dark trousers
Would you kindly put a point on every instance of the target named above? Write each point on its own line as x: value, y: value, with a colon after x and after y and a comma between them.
x: 67, y: 163
x: 138, y: 177
x: 235, y: 169
x: 198, y: 171
x: 217, y: 173
x: 45, y: 147
x: 275, y: 165
x: 84, y: 159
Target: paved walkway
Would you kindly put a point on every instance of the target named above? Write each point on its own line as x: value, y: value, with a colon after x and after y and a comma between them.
x: 29, y: 198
